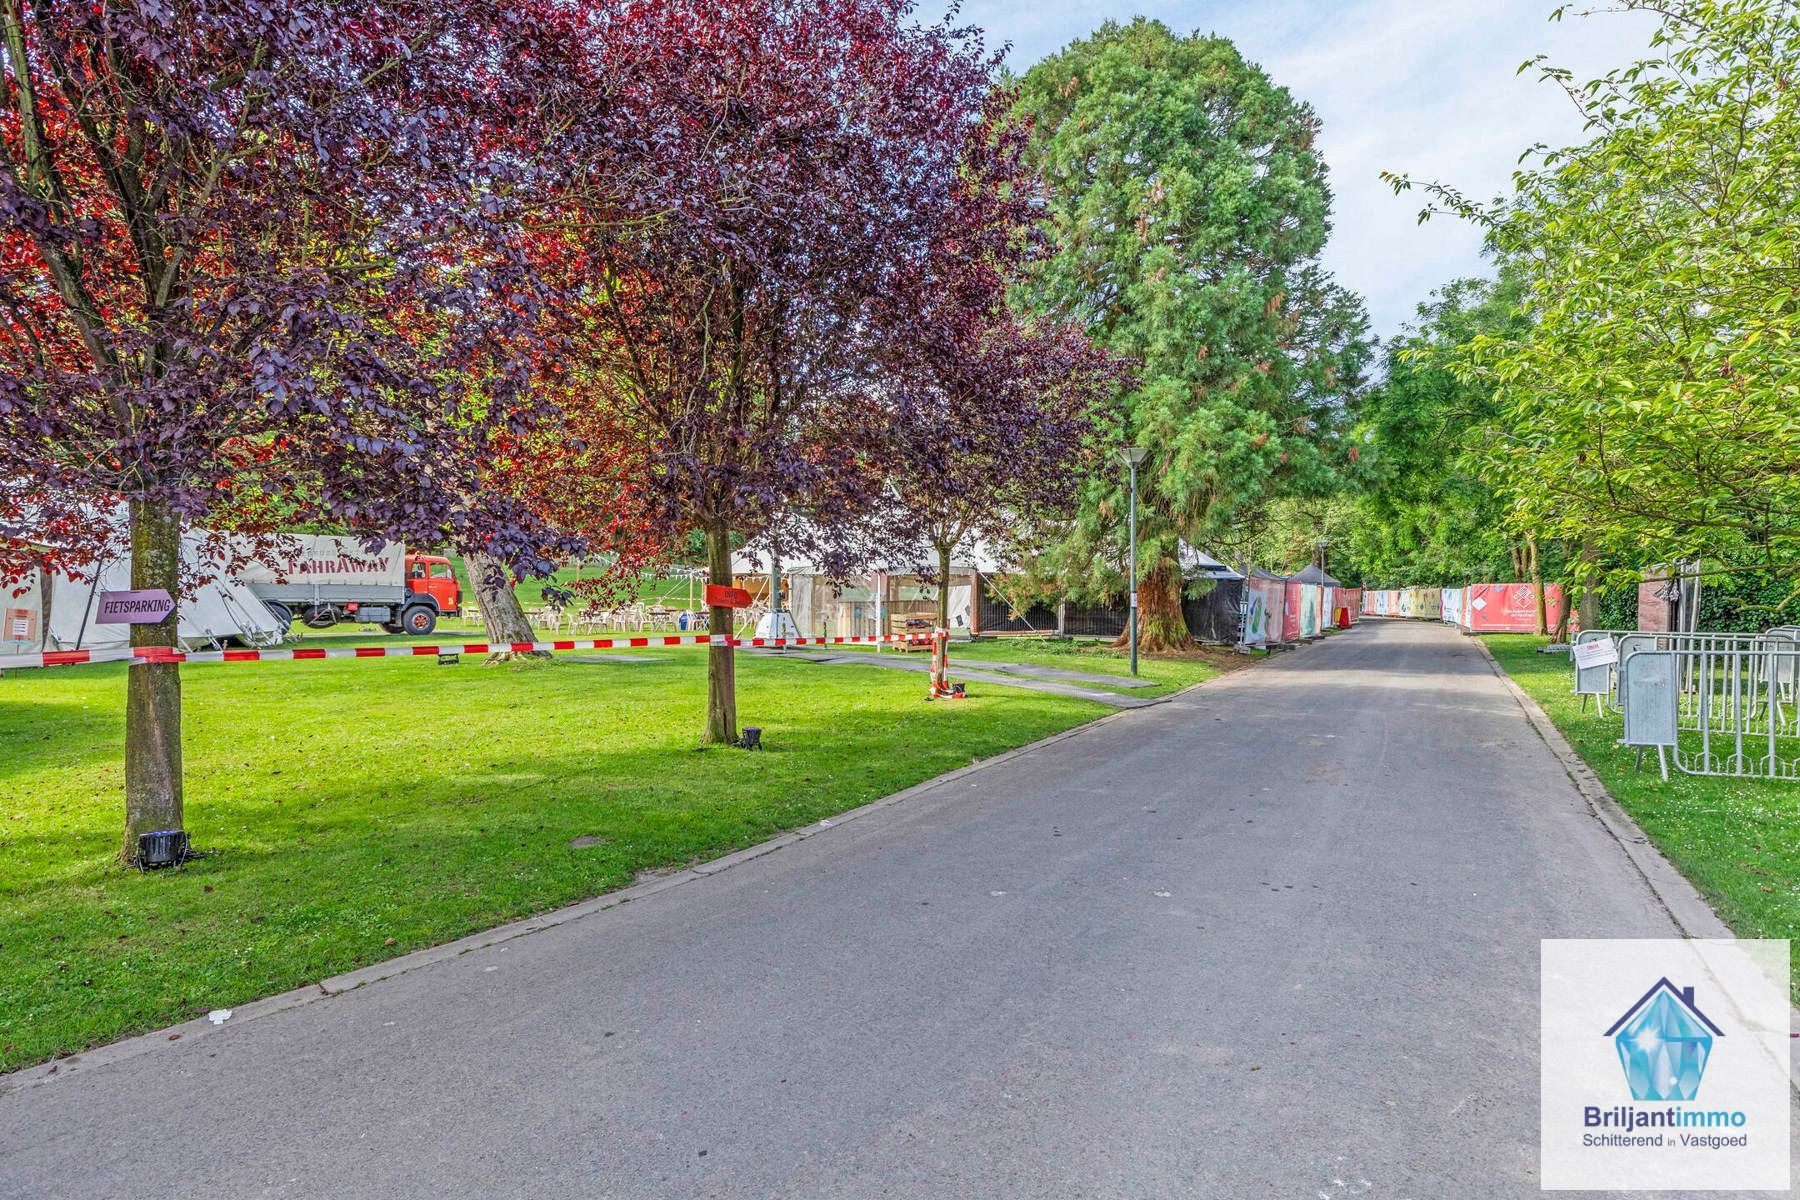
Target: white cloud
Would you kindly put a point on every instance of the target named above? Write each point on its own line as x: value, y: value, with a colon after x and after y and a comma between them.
x: 1425, y: 89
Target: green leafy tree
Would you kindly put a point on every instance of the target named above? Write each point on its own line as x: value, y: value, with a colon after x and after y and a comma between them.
x: 1428, y: 510
x: 1290, y: 532
x: 1187, y: 208
x: 1652, y: 411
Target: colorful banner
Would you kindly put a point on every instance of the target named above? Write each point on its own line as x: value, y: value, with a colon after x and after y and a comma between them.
x: 1309, y: 609
x: 1256, y: 614
x: 1450, y: 605
x: 1268, y: 601
x: 1290, y: 612
x: 1511, y: 607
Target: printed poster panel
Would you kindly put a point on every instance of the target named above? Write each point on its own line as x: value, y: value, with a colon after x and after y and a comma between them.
x: 1450, y: 602
x: 1309, y: 609
x: 1256, y: 616
x: 21, y: 616
x: 1511, y: 607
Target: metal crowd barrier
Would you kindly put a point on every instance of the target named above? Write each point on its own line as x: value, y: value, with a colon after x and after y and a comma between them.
x: 1598, y: 680
x: 1715, y: 704
x: 1696, y: 644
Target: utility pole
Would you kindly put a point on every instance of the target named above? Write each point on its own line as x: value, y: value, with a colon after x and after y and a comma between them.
x: 1134, y: 457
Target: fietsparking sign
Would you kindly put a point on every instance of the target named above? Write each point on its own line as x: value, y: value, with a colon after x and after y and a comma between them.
x: 146, y: 606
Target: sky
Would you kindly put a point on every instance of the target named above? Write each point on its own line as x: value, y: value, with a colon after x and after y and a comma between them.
x: 1425, y: 88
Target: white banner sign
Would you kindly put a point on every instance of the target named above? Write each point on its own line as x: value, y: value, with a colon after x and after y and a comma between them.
x: 1598, y: 653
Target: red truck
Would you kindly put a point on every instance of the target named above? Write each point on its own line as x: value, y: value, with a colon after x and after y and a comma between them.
x: 334, y: 579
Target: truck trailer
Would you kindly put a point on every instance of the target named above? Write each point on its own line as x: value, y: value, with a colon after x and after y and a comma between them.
x: 336, y: 579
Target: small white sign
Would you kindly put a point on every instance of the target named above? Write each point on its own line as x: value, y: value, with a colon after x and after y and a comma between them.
x: 1479, y: 603
x: 1598, y: 653
x: 1664, y: 1065
x: 1134, y: 599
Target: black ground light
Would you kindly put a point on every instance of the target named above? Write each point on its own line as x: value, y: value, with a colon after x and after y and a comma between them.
x: 163, y: 848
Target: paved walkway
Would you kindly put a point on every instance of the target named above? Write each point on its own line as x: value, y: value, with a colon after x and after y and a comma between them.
x: 1274, y: 938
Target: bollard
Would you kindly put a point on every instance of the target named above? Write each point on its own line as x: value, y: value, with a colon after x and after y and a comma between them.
x: 941, y: 688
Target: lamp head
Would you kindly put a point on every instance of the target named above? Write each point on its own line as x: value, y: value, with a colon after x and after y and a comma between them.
x: 1135, y: 455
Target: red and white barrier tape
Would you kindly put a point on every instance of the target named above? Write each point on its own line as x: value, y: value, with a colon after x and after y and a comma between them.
x: 161, y: 654
x: 66, y: 658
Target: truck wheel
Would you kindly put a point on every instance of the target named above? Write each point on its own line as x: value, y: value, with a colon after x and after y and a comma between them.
x: 419, y: 620
x: 284, y: 616
x: 320, y: 618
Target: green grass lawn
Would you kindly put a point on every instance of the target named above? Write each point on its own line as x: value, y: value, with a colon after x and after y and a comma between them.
x: 672, y: 592
x: 1738, y: 840
x: 353, y: 811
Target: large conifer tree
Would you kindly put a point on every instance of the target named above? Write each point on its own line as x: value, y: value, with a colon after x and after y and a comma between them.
x: 1188, y: 206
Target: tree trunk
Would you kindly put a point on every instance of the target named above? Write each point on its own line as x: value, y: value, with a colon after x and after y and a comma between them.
x: 501, y: 614
x: 153, y: 690
x: 721, y: 671
x: 1161, y: 626
x: 943, y: 597
x: 1590, y: 595
x: 1537, y: 584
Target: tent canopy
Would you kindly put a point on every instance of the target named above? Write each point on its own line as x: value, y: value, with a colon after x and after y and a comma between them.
x: 977, y: 557
x: 216, y: 611
x: 1198, y: 564
x: 1313, y: 574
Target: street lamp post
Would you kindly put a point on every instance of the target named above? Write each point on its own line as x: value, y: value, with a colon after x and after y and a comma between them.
x: 775, y: 596
x: 1134, y: 457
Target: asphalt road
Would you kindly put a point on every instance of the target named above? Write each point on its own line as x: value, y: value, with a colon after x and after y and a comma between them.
x: 1275, y: 938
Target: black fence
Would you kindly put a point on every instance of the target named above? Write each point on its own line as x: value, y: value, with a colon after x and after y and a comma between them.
x: 1214, y: 617
x: 1217, y: 616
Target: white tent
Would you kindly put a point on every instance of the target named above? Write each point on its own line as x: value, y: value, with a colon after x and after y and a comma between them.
x: 218, y: 611
x: 862, y: 602
x: 1198, y: 564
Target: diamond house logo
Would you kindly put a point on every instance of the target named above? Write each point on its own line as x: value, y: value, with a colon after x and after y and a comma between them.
x: 1664, y: 1042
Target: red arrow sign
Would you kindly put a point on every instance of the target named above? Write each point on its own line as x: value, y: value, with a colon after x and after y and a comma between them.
x: 727, y: 597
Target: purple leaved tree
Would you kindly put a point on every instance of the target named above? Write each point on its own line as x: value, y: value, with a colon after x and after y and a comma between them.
x: 1000, y: 415
x: 805, y: 152
x: 261, y: 262
x: 1009, y: 417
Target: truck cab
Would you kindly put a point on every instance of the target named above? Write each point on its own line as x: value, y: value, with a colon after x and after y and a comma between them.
x: 432, y: 575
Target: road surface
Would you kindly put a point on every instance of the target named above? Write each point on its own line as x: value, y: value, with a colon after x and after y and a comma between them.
x: 1275, y: 938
